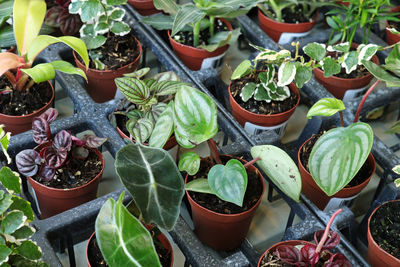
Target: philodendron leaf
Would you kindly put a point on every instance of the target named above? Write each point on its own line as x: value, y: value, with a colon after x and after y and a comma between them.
x: 326, y: 107
x: 133, y: 89
x: 122, y: 238
x: 339, y: 154
x: 156, y: 185
x: 229, y: 182
x: 286, y: 73
x: 189, y: 162
x: 195, y: 117
x: 315, y: 51
x: 163, y: 128
x: 280, y: 168
x: 241, y: 70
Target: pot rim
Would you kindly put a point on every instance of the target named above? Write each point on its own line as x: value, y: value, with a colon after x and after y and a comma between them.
x: 277, y: 23
x: 236, y: 214
x: 111, y: 71
x: 45, y: 107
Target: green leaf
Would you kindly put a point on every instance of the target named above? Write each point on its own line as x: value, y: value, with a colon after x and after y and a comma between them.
x: 140, y: 129
x: 330, y: 67
x: 242, y: 70
x: 93, y: 42
x: 4, y: 142
x: 339, y: 154
x: 395, y: 128
x: 315, y: 51
x: 10, y: 180
x: 168, y: 6
x: 166, y: 76
x: 28, y: 18
x: 342, y: 47
x: 326, y: 107
x: 190, y: 163
x: 261, y: 94
x: 397, y: 182
x: 6, y: 8
x: 286, y: 73
x: 381, y: 74
x: 164, y: 88
x: 350, y: 61
x: 100, y: 28
x: 366, y: 52
x: 87, y: 30
x: 280, y: 168
x: 4, y: 253
x: 5, y: 202
x: 159, y: 21
x: 134, y: 90
x: 186, y: 14
x: 116, y: 2
x: 138, y: 73
x: 199, y: 185
x: 118, y: 234
x: 229, y: 182
x: 220, y: 39
x: 68, y: 68
x: 22, y: 205
x: 29, y: 250
x: 90, y: 9
x: 195, y: 117
x: 248, y: 91
x: 392, y: 62
x: 156, y: 185
x: 120, y: 28
x: 41, y: 72
x: 24, y: 232
x: 43, y: 41
x: 12, y: 221
x: 7, y: 36
x: 303, y: 75
x: 117, y: 14
x: 163, y: 128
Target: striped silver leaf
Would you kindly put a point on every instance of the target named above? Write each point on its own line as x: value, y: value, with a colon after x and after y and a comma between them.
x: 339, y: 154
x: 134, y: 90
x: 140, y: 129
x: 163, y: 128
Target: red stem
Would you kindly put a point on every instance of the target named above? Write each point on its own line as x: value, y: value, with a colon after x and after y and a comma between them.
x: 326, y: 232
x: 10, y: 77
x: 214, y: 151
x: 341, y: 119
x: 363, y: 100
x: 251, y: 162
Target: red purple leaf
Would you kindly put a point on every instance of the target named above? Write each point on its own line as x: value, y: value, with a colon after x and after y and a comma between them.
x: 41, y: 130
x: 49, y: 115
x: 331, y: 242
x: 93, y: 141
x: 77, y: 141
x: 63, y: 139
x: 309, y: 255
x: 46, y: 172
x: 290, y: 255
x: 338, y: 260
x: 79, y: 152
x: 27, y: 162
x: 53, y: 157
x: 52, y: 16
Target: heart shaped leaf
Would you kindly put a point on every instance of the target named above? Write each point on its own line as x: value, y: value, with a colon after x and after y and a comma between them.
x: 190, y: 163
x: 62, y: 139
x: 326, y: 107
x: 339, y: 154
x: 27, y: 162
x: 156, y: 184
x: 41, y: 130
x: 229, y: 182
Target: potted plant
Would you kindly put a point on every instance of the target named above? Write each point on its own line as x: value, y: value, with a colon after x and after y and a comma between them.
x: 284, y: 20
x: 303, y: 253
x: 198, y: 31
x: 63, y: 170
x: 23, y: 96
x: 145, y: 114
x: 113, y: 49
x: 59, y: 18
x: 144, y: 7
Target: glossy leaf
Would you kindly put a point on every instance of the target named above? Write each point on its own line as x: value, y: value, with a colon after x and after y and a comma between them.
x: 289, y: 254
x: 41, y: 130
x: 190, y: 163
x: 229, y: 182
x: 24, y: 232
x: 41, y: 72
x: 134, y: 90
x: 53, y: 157
x: 28, y: 18
x: 22, y: 205
x: 163, y: 88
x: 186, y: 14
x: 326, y: 107
x: 122, y: 238
x: 27, y: 162
x: 29, y: 250
x: 12, y: 221
x: 338, y: 155
x: 10, y: 180
x: 156, y: 185
x: 50, y: 115
x: 93, y: 141
x: 163, y: 128
x: 331, y: 242
x: 141, y: 129
x: 381, y: 74
x: 330, y: 67
x: 68, y: 68
x: 199, y: 185
x: 195, y: 117
x: 280, y: 168
x: 62, y: 139
x: 9, y: 61
x: 303, y: 75
x: 46, y: 172
x: 309, y: 255
x: 315, y: 51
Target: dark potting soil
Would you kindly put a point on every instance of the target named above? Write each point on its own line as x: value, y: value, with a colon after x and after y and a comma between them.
x: 295, y: 14
x: 76, y: 173
x: 395, y: 24
x: 261, y: 107
x: 17, y: 103
x: 121, y: 123
x: 118, y: 51
x: 214, y: 203
x: 96, y: 258
x: 186, y: 37
x: 360, y: 72
x: 363, y: 174
x: 272, y: 260
x: 385, y: 228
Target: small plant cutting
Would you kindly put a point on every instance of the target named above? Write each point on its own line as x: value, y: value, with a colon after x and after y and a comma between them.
x: 308, y: 254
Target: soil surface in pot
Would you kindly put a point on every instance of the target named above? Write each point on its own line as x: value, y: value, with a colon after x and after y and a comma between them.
x: 74, y: 174
x: 260, y: 107
x: 214, y: 203
x: 96, y: 258
x: 363, y: 174
x: 117, y: 52
x: 272, y: 260
x: 294, y: 14
x: 17, y: 103
x: 385, y: 228
x: 186, y: 37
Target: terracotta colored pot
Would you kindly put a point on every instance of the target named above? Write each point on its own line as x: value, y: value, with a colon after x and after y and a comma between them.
x: 338, y: 86
x: 19, y: 124
x: 170, y: 143
x: 162, y: 238
x: 243, y: 116
x: 287, y: 243
x: 392, y: 38
x: 53, y: 200
x: 223, y: 231
x: 274, y: 29
x: 144, y: 7
x: 317, y: 196
x: 101, y: 86
x: 377, y: 257
x: 193, y: 57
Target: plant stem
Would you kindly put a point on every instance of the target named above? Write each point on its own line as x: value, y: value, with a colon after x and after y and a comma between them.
x: 20, y: 85
x: 196, y: 33
x: 341, y: 119
x: 214, y: 151
x: 326, y: 232
x: 211, y: 28
x: 251, y: 162
x: 10, y: 77
x: 357, y: 115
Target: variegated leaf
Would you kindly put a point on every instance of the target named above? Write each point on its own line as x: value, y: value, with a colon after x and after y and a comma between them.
x: 190, y: 163
x: 141, y: 129
x: 163, y: 128
x: 286, y: 73
x: 366, y: 52
x: 325, y: 107
x: 350, y: 62
x: 133, y: 89
x: 315, y: 51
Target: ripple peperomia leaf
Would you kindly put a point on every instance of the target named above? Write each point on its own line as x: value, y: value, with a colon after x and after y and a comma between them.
x: 325, y: 107
x: 289, y: 254
x: 46, y: 172
x: 93, y: 141
x: 156, y: 185
x: 53, y: 157
x: 41, y: 130
x: 190, y: 163
x: 50, y: 115
x: 331, y: 242
x: 62, y: 140
x: 339, y: 154
x: 27, y: 162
